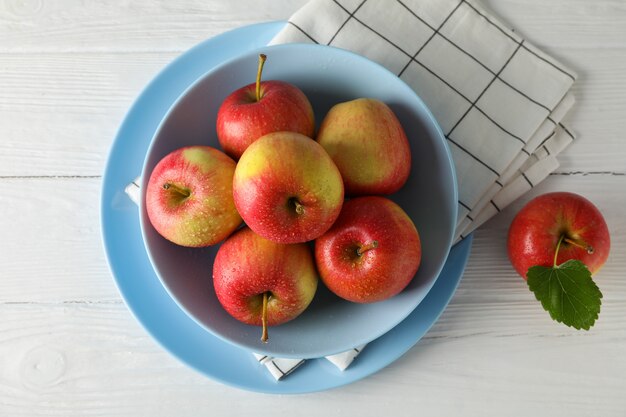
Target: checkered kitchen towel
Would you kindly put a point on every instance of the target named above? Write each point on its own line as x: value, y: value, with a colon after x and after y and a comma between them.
x: 498, y: 99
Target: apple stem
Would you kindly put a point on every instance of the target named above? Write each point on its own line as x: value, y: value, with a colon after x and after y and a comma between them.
x: 299, y: 207
x: 179, y: 190
x: 262, y: 58
x: 579, y: 244
x: 372, y: 245
x: 264, y: 336
x: 556, y: 251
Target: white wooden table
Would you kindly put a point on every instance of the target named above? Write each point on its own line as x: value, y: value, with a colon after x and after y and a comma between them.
x: 69, y: 70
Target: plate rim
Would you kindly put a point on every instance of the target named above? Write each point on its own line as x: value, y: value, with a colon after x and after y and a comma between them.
x: 291, y: 384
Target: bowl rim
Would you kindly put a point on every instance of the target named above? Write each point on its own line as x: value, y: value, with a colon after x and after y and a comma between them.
x: 145, y: 175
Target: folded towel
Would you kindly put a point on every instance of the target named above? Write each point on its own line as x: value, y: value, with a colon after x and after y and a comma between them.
x: 281, y: 367
x: 497, y: 98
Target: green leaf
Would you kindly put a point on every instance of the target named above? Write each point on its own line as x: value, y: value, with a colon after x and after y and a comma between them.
x: 567, y: 292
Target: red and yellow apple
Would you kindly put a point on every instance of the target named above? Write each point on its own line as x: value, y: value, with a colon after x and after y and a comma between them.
x: 371, y: 253
x: 189, y: 197
x: 263, y: 283
x: 537, y: 228
x: 287, y: 189
x: 261, y: 108
x: 369, y: 146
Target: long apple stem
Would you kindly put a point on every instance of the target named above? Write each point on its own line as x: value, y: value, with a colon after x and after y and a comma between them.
x: 262, y: 58
x: 372, y: 245
x: 556, y: 251
x: 176, y: 188
x: 264, y: 336
x: 579, y: 244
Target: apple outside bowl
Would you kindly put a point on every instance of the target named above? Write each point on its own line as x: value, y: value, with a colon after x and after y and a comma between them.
x: 327, y: 76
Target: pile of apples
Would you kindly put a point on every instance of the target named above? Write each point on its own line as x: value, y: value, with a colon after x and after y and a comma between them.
x: 289, y: 186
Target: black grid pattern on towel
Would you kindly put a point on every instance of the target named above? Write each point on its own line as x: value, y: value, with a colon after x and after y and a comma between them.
x: 352, y: 15
x: 273, y: 364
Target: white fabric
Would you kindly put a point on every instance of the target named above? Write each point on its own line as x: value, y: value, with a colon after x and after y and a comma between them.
x: 549, y: 140
x: 281, y: 367
x: 496, y: 97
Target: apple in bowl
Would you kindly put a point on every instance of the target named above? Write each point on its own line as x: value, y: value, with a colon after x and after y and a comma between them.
x: 287, y: 189
x: 372, y: 251
x: 368, y: 144
x: 263, y: 283
x: 260, y: 108
x: 189, y: 197
x: 327, y: 76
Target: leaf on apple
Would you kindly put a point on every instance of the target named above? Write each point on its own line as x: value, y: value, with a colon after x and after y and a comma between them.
x: 567, y: 292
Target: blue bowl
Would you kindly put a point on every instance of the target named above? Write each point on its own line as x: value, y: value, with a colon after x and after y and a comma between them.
x: 327, y: 76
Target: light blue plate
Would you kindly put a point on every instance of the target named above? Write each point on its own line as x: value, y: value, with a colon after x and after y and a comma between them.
x: 148, y: 299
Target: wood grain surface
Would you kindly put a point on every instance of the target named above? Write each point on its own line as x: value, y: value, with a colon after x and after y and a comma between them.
x: 69, y: 71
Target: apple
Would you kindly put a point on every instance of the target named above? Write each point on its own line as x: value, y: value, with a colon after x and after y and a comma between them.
x: 287, y: 189
x: 371, y: 253
x: 189, y: 197
x: 261, y: 108
x: 369, y: 146
x: 537, y: 228
x: 263, y: 283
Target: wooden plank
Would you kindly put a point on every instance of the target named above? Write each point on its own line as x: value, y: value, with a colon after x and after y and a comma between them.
x: 51, y: 245
x: 105, y: 26
x: 91, y: 359
x: 63, y: 261
x: 66, y: 104
x: 60, y: 113
x: 65, y: 108
x: 70, y: 347
x: 72, y: 25
x: 564, y: 24
x: 85, y: 359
